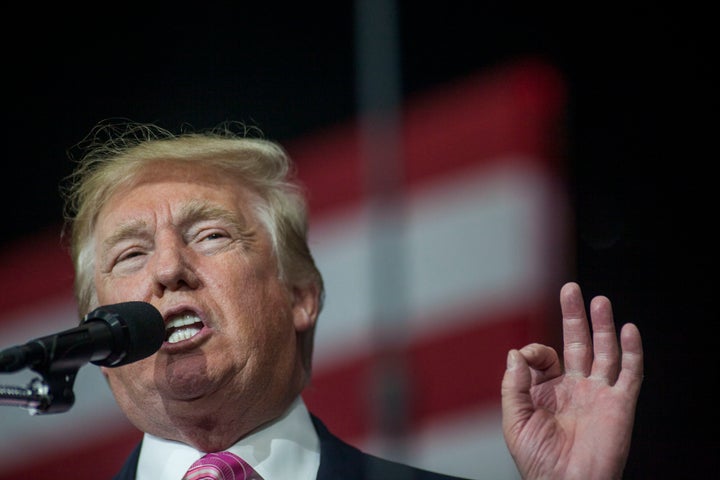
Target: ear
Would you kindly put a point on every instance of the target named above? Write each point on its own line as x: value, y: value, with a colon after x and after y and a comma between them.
x: 306, y: 303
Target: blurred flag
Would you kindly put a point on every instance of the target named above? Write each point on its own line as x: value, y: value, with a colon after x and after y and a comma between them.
x: 478, y: 254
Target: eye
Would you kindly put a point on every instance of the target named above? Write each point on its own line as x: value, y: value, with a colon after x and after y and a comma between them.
x: 214, y: 235
x: 211, y: 240
x: 128, y: 261
x: 210, y: 236
x: 128, y: 255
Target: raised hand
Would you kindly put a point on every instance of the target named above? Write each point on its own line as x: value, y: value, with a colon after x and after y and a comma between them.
x: 574, y: 422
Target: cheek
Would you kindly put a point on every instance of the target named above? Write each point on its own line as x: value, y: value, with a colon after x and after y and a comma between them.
x: 116, y: 290
x: 125, y: 380
x: 249, y: 290
x: 266, y: 321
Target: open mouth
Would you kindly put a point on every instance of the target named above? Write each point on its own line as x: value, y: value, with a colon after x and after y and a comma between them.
x: 182, y: 327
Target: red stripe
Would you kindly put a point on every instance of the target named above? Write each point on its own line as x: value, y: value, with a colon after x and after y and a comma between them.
x: 454, y: 370
x: 97, y: 459
x: 36, y: 268
x: 480, y: 119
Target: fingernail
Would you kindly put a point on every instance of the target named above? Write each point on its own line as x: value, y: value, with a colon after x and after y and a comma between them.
x: 511, y: 359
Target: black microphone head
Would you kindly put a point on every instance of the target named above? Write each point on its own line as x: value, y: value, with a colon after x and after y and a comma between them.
x: 137, y: 328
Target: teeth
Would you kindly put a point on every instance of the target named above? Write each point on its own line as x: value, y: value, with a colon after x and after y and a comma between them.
x: 183, y: 327
x: 182, y: 321
x: 183, y: 334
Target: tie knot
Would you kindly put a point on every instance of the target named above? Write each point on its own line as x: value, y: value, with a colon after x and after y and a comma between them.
x: 221, y: 466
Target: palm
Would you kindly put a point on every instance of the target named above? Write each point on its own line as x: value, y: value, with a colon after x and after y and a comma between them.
x: 577, y: 423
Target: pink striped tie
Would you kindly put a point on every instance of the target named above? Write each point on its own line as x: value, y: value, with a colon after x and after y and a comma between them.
x: 221, y: 466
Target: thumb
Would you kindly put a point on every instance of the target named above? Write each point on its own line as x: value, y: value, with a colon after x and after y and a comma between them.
x: 517, y: 405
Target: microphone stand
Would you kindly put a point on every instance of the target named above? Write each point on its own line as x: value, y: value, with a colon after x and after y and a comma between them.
x: 53, y: 393
x: 104, y: 338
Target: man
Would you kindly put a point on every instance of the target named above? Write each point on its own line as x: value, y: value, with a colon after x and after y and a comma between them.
x: 211, y: 229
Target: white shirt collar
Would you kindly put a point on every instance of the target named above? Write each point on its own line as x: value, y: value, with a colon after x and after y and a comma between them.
x: 287, y: 448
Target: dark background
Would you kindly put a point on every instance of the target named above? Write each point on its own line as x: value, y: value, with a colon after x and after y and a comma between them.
x: 641, y: 139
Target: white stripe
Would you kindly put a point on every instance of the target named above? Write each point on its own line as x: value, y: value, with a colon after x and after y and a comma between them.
x: 469, y: 445
x: 471, y: 243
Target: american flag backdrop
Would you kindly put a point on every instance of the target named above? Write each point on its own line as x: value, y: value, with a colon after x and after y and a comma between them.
x: 469, y: 256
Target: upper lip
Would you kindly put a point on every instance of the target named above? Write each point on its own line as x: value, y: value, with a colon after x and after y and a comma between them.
x: 182, y: 309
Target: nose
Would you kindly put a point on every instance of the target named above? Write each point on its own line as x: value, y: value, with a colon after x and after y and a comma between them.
x: 172, y: 267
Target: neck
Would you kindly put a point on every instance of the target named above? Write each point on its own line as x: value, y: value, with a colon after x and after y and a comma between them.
x: 216, y: 432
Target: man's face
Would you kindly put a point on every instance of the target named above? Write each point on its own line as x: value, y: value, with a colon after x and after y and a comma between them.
x: 187, y: 241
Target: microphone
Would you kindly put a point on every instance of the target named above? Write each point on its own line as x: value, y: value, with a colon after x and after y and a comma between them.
x: 109, y: 336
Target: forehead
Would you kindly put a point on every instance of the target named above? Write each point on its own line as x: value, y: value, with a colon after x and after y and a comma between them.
x: 170, y: 185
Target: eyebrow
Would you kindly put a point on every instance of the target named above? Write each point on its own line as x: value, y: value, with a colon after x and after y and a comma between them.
x: 190, y: 212
x: 125, y: 230
x: 198, y: 210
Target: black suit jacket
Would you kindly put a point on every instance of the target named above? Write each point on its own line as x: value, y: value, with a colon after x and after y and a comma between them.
x: 338, y: 461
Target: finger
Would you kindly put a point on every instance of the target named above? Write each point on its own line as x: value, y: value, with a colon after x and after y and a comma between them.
x: 606, y: 353
x: 515, y: 389
x: 543, y: 361
x: 631, y: 372
x: 577, y: 346
x: 526, y: 367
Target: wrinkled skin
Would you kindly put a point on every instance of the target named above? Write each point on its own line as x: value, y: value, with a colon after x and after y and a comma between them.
x: 576, y: 422
x: 186, y: 240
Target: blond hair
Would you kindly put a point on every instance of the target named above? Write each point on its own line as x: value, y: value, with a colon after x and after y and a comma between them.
x: 115, y: 153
